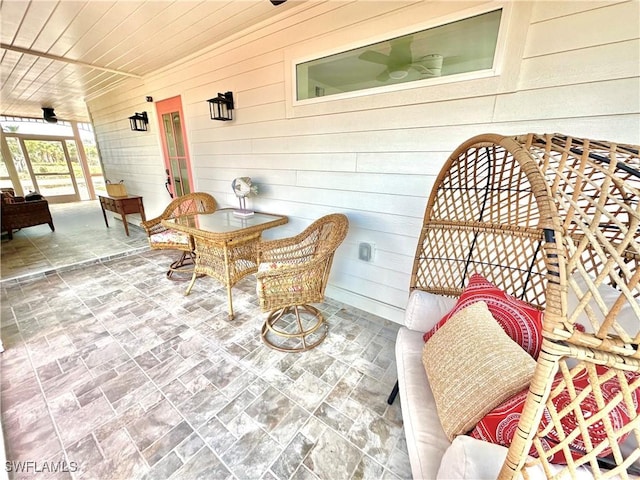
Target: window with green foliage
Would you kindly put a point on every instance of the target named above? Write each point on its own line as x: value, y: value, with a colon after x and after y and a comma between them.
x: 463, y: 46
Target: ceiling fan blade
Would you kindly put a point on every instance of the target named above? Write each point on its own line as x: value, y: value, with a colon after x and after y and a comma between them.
x: 373, y: 56
x: 401, y: 51
x: 383, y: 77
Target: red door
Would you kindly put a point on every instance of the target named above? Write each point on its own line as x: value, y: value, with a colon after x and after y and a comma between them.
x: 174, y: 146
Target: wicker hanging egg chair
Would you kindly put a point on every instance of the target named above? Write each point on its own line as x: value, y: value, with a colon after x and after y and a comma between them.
x: 554, y: 221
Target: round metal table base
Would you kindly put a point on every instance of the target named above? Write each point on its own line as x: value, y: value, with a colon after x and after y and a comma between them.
x: 294, y: 329
x: 182, y: 269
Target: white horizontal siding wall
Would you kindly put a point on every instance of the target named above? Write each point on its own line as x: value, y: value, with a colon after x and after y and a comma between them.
x: 570, y: 67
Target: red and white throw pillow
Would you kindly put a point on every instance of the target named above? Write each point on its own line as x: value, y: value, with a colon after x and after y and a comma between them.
x: 521, y: 321
x: 499, y: 425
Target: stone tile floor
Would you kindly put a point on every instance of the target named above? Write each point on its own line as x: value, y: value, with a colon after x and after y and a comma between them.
x: 80, y: 237
x: 110, y: 371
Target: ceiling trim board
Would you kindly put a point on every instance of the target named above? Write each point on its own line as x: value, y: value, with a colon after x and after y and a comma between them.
x: 28, y: 51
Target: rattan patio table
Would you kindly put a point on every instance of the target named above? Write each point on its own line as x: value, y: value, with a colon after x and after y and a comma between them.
x: 225, y: 245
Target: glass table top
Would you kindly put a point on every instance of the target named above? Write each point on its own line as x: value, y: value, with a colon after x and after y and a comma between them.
x: 225, y: 221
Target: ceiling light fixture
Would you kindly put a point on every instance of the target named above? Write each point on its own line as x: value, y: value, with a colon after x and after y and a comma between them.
x: 49, y: 115
x: 398, y: 74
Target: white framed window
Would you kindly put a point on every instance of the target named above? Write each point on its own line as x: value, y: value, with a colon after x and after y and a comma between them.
x: 500, y: 78
x: 458, y: 49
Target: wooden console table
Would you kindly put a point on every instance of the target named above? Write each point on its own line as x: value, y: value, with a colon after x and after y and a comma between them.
x: 123, y: 206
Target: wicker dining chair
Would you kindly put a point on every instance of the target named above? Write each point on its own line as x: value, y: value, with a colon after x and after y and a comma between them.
x: 162, y: 238
x: 292, y: 274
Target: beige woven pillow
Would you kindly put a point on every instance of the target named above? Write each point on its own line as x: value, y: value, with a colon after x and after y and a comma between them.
x: 473, y: 366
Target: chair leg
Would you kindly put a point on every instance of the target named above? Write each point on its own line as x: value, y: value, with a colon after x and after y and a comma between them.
x: 394, y: 393
x: 294, y: 335
x: 190, y: 286
x: 53, y: 229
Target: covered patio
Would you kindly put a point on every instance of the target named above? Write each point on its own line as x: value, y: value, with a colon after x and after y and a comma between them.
x: 109, y: 369
x: 111, y: 372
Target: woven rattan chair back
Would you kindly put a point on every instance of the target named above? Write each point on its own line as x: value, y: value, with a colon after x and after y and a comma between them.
x: 183, y: 208
x: 293, y: 273
x: 548, y: 218
x: 162, y: 238
x: 190, y: 204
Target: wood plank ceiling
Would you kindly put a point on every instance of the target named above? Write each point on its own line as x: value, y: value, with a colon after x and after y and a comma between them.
x: 60, y: 53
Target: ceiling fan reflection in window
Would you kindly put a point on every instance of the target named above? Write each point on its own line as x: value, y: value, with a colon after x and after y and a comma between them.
x: 400, y: 62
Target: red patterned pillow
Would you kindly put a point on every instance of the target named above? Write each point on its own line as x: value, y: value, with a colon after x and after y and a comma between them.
x: 499, y: 425
x: 521, y: 321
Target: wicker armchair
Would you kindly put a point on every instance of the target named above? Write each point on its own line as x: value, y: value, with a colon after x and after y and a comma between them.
x: 555, y: 222
x: 16, y: 213
x: 162, y: 238
x: 292, y: 273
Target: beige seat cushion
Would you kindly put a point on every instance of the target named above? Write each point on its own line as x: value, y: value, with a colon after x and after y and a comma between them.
x: 425, y: 309
x: 473, y: 366
x: 169, y: 236
x: 470, y: 459
x: 426, y: 441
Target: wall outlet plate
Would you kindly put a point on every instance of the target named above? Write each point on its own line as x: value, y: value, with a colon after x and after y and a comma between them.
x: 365, y: 251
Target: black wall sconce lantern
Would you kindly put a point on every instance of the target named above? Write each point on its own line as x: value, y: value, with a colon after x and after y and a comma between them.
x: 221, y: 107
x: 139, y: 122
